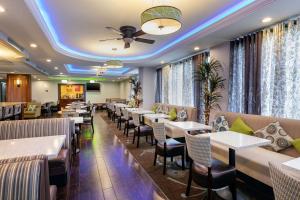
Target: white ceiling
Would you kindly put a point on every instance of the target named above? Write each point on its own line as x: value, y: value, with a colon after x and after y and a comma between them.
x: 80, y: 25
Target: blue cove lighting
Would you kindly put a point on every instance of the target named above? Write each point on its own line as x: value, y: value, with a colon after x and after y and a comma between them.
x: 45, y: 17
x: 109, y: 72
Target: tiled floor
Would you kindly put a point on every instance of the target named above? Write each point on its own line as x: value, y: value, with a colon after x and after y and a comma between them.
x: 107, y: 171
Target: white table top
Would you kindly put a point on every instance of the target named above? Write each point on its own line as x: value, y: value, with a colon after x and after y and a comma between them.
x: 293, y: 166
x: 49, y: 146
x: 236, y: 140
x: 142, y: 112
x: 70, y: 110
x: 152, y: 117
x: 122, y: 105
x: 77, y: 120
x: 190, y: 126
x: 82, y: 106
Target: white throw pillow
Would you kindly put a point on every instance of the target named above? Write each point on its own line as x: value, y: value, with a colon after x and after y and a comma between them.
x: 220, y: 124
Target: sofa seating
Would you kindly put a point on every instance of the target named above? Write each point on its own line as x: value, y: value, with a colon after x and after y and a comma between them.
x: 191, y: 116
x: 8, y: 112
x: 254, y: 161
x: 59, y: 167
x: 26, y: 178
x: 35, y: 113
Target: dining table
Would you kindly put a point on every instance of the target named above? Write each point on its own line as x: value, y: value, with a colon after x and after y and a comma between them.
x: 292, y: 167
x: 47, y: 145
x: 81, y: 107
x: 235, y: 141
x: 80, y: 111
x: 187, y: 126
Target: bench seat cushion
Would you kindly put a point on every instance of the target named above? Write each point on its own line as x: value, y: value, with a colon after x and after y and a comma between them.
x: 251, y: 161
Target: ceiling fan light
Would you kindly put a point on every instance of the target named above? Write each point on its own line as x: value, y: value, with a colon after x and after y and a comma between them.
x: 161, y: 20
x: 114, y: 64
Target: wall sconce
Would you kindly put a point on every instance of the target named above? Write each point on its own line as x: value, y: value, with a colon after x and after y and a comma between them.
x: 18, y: 82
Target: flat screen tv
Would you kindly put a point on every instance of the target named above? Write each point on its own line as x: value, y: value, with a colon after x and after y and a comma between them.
x: 93, y: 87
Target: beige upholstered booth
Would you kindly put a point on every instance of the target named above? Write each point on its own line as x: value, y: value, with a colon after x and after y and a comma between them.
x: 254, y: 162
x: 26, y: 178
x: 59, y: 167
x: 191, y: 116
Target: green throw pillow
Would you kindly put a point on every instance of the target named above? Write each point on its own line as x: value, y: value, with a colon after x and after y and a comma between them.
x: 154, y: 108
x: 241, y: 127
x: 296, y: 144
x: 172, y: 114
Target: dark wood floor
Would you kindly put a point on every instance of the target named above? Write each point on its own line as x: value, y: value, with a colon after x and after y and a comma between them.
x: 104, y: 169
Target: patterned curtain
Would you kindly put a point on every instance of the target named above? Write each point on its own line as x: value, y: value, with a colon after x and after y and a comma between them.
x: 198, y: 103
x: 158, y: 92
x: 280, y: 78
x: 245, y: 73
x: 165, y: 84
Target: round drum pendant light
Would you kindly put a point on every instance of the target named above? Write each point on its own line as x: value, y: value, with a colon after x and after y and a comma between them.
x: 113, y: 64
x: 161, y: 20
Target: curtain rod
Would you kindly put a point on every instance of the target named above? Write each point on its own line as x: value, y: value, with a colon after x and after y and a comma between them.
x: 295, y: 17
x: 181, y: 59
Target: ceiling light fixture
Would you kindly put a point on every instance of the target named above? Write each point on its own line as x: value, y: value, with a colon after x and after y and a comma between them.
x: 266, y: 20
x: 56, y: 68
x: 64, y: 81
x: 33, y: 45
x: 2, y: 9
x: 34, y: 76
x: 197, y: 48
x: 61, y: 73
x: 92, y: 81
x: 39, y: 79
x: 113, y: 64
x: 48, y: 60
x: 161, y: 20
x: 162, y: 62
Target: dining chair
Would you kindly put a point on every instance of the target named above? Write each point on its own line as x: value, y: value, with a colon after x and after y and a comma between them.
x: 166, y: 147
x: 120, y: 117
x: 128, y: 122
x: 141, y: 130
x: 8, y: 112
x: 88, y: 119
x: 206, y: 171
x: 17, y: 111
x: 285, y: 186
x: 113, y: 112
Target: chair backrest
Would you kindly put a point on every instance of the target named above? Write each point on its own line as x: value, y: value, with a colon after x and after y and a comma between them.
x: 136, y: 119
x: 17, y: 109
x: 93, y: 111
x: 25, y: 178
x: 8, y: 111
x: 113, y: 108
x: 159, y: 132
x: 37, y: 128
x: 284, y: 185
x: 118, y: 111
x: 199, y: 149
x: 126, y: 114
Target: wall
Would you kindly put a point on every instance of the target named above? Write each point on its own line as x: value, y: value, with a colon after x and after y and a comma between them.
x: 45, y: 91
x: 147, y: 77
x: 222, y: 53
x: 21, y: 93
x: 125, y: 89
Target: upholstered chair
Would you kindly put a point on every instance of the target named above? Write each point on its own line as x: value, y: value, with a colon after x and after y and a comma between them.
x: 285, y: 186
x: 8, y: 112
x: 128, y: 122
x: 17, y: 111
x: 206, y: 171
x: 141, y: 130
x: 88, y: 119
x: 120, y: 117
x: 166, y: 147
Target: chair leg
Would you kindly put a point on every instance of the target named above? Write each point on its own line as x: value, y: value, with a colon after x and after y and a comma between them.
x: 188, y: 188
x: 125, y: 128
x: 152, y: 140
x: 127, y: 131
x: 155, y: 158
x: 182, y: 162
x: 232, y: 188
x: 133, y: 138
x: 172, y: 158
x: 165, y: 165
x: 138, y: 141
x: 209, y: 193
x: 92, y: 126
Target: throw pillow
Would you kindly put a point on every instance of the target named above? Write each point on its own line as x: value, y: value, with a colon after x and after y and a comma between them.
x: 296, y: 144
x: 220, y: 124
x: 274, y: 132
x: 159, y: 109
x: 173, y: 114
x: 154, y: 108
x: 31, y: 107
x: 241, y: 127
x: 182, y: 115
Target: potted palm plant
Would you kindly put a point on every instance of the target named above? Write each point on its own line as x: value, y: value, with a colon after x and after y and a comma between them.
x: 137, y: 91
x: 212, y: 81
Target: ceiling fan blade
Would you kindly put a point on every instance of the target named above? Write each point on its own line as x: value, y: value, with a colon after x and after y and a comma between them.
x: 144, y: 40
x: 110, y: 39
x: 139, y: 33
x: 127, y: 45
x: 114, y: 30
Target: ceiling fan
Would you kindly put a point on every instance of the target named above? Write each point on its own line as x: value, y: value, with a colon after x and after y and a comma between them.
x: 129, y: 34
